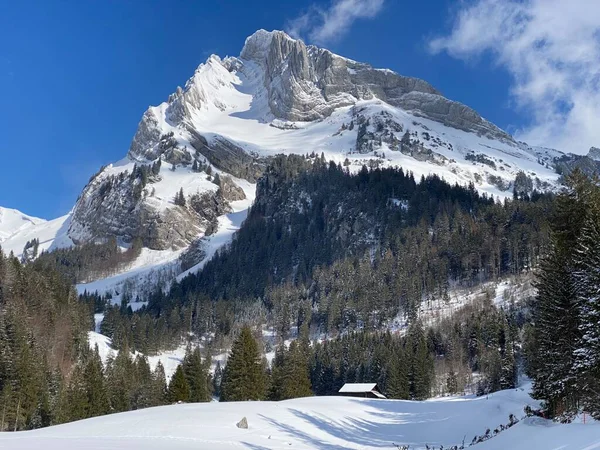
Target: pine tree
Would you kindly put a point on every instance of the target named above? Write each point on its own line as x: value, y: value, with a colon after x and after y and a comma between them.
x: 244, y: 376
x: 156, y: 167
x: 142, y: 389
x: 179, y: 389
x: 216, y: 380
x: 557, y: 323
x: 75, y: 402
x: 508, y: 376
x: 120, y: 375
x: 452, y: 382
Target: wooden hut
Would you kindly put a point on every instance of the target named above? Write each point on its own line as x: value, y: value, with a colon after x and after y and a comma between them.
x: 363, y: 390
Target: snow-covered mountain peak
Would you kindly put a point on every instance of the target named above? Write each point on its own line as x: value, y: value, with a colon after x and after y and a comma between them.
x: 12, y: 221
x: 278, y: 78
x: 257, y: 45
x: 281, y: 96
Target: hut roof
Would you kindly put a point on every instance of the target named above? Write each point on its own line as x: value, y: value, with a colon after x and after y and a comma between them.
x: 356, y: 388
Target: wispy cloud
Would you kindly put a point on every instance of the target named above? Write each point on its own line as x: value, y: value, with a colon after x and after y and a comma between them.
x: 551, y: 48
x: 324, y: 25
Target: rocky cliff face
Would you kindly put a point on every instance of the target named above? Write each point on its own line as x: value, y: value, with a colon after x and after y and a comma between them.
x: 307, y: 83
x: 121, y: 206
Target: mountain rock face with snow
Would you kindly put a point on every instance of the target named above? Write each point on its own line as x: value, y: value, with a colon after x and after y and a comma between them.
x: 119, y: 206
x: 594, y: 153
x: 305, y: 83
x: 212, y: 139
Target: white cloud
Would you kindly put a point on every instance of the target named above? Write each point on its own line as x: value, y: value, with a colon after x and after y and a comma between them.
x: 552, y: 50
x: 323, y: 25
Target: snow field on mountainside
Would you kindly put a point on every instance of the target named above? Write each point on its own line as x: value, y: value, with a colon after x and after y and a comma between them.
x: 51, y: 234
x: 502, y: 294
x: 170, y: 359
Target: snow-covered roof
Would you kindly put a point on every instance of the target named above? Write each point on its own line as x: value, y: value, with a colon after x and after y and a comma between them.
x: 357, y: 387
x: 361, y: 388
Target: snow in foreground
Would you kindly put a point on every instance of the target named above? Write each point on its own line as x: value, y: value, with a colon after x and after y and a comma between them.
x: 332, y: 423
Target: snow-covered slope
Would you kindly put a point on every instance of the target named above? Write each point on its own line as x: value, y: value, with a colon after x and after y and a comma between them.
x: 13, y: 221
x: 278, y: 96
x: 51, y: 234
x: 332, y: 423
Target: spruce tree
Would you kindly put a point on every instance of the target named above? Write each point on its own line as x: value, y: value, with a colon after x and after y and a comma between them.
x: 216, y: 380
x: 452, y: 382
x: 75, y: 401
x: 97, y: 397
x: 156, y: 167
x: 420, y: 362
x: 508, y: 376
x: 244, y: 376
x: 295, y: 374
x: 142, y: 389
x: 196, y: 375
x: 180, y: 198
x: 277, y: 375
x: 397, y: 384
x: 179, y: 389
x: 586, y: 275
x: 120, y: 376
x: 158, y: 394
x: 556, y: 332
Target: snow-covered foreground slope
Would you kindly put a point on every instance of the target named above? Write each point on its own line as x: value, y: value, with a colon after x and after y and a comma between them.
x: 332, y: 423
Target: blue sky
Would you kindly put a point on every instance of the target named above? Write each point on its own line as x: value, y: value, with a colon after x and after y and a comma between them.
x: 76, y: 76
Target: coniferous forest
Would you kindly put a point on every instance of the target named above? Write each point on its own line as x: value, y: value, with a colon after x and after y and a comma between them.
x: 327, y: 260
x: 342, y: 252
